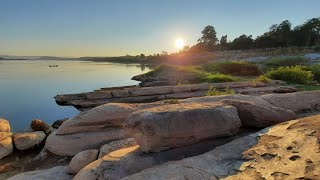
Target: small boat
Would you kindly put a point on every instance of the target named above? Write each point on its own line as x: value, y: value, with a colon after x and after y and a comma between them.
x: 53, y: 65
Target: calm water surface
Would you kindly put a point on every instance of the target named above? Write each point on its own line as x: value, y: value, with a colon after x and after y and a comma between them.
x: 27, y: 88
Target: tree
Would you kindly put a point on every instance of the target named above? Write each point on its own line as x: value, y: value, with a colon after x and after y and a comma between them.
x: 209, y: 38
x: 223, y: 43
x: 242, y: 42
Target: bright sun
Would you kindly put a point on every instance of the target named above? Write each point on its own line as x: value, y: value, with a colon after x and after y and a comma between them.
x: 179, y: 43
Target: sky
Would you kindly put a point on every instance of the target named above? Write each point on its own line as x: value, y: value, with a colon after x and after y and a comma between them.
x: 75, y: 28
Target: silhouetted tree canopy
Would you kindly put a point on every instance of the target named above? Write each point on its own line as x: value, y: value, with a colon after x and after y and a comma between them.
x: 209, y: 37
x: 278, y: 35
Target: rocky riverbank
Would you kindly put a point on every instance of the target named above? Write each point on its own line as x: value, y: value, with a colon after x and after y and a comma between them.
x: 195, y: 138
x: 137, y: 94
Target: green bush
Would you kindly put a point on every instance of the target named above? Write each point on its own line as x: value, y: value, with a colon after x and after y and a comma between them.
x: 294, y: 74
x: 238, y: 68
x: 262, y: 78
x: 278, y: 62
x: 217, y: 78
x: 214, y: 92
x: 315, y: 69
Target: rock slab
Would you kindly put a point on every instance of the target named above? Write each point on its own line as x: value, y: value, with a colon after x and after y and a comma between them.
x: 293, y: 146
x: 55, y: 173
x: 70, y: 145
x: 175, y: 125
x: 253, y: 115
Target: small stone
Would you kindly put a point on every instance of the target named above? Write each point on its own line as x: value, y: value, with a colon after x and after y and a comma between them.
x: 81, y: 160
x: 39, y: 125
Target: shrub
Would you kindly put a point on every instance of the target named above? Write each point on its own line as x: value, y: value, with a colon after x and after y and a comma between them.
x: 315, y: 69
x: 217, y: 78
x: 295, y: 74
x: 278, y: 62
x: 239, y: 68
x: 214, y: 92
x: 262, y: 78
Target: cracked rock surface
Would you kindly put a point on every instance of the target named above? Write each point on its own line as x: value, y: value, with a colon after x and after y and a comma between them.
x: 289, y: 150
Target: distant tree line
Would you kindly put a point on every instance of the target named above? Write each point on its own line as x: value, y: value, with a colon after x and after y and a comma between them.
x: 279, y: 35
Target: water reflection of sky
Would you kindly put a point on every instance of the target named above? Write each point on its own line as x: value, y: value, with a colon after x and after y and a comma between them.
x: 27, y: 88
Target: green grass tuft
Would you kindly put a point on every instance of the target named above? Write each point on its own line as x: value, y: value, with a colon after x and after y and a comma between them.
x: 214, y: 92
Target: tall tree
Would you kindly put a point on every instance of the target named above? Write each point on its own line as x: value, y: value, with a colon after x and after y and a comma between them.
x: 209, y: 37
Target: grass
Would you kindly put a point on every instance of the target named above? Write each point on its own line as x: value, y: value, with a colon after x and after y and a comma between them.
x: 214, y: 92
x: 236, y: 68
x: 217, y: 78
x: 295, y: 74
x: 309, y: 87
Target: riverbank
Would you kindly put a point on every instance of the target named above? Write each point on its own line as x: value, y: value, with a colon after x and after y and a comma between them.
x: 137, y: 132
x: 101, y: 138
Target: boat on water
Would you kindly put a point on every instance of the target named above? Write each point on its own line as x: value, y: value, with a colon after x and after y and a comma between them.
x: 53, y: 65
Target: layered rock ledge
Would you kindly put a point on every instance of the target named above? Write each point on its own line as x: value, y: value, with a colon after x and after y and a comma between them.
x: 136, y: 94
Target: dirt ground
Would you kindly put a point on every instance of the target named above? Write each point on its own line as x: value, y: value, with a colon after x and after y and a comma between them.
x: 21, y: 161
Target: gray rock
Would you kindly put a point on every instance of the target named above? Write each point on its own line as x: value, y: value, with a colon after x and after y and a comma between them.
x: 27, y: 140
x: 289, y: 150
x: 175, y: 125
x: 131, y: 160
x: 297, y: 102
x: 6, y: 147
x: 82, y: 159
x: 55, y: 173
x: 70, y: 145
x: 258, y: 116
x: 116, y: 145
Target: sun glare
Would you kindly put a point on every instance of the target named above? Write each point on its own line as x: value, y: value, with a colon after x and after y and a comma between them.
x: 179, y: 43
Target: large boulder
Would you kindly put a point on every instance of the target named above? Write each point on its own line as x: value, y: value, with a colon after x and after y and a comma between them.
x: 100, y: 118
x: 82, y: 159
x: 116, y: 145
x: 70, y: 145
x: 131, y: 160
x: 6, y: 145
x: 4, y: 125
x: 297, y: 102
x: 55, y: 173
x: 175, y: 125
x: 39, y: 125
x: 289, y: 150
x: 27, y: 140
x: 258, y: 116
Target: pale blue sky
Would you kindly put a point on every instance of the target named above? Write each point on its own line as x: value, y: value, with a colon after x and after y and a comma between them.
x: 120, y: 27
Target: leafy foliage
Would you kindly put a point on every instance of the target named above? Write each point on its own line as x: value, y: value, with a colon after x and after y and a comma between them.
x: 279, y: 35
x: 294, y: 74
x: 262, y: 78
